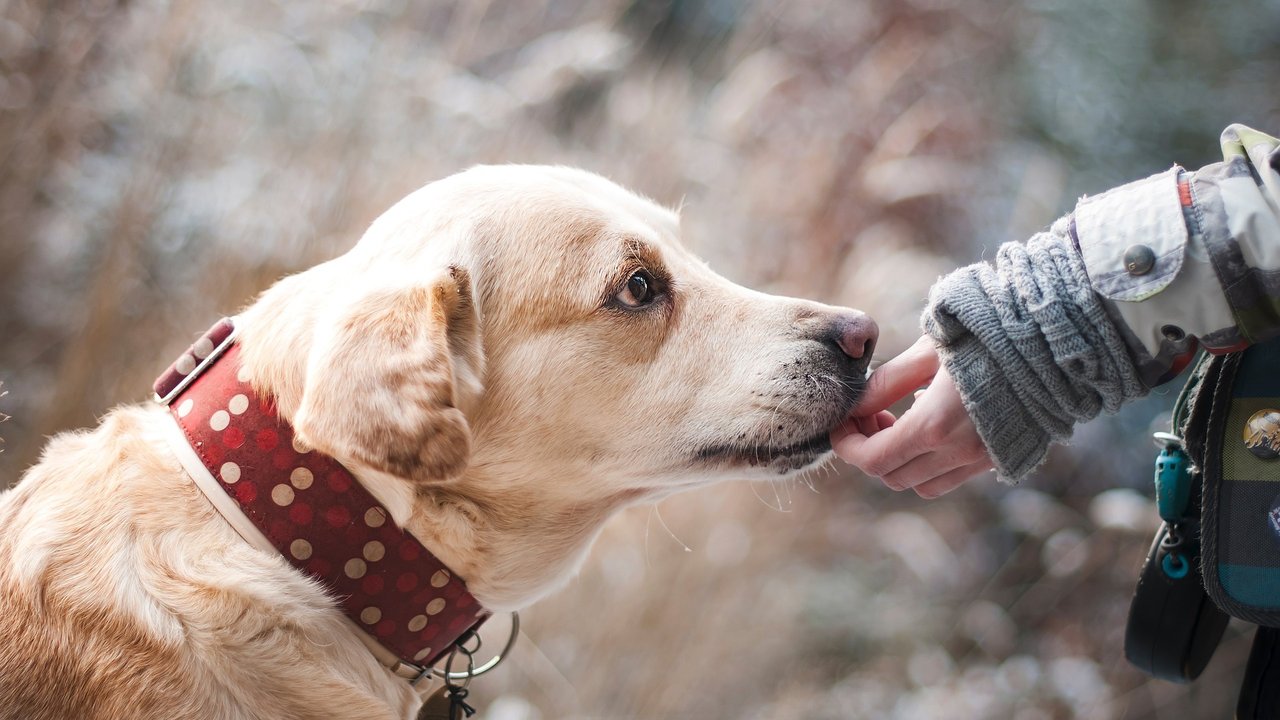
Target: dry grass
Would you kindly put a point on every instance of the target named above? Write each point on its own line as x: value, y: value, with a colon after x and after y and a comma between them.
x: 164, y: 162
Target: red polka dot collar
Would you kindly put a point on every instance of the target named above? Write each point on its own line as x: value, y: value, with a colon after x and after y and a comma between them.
x: 312, y: 510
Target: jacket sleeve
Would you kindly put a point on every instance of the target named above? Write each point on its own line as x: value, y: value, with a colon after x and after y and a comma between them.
x: 1032, y: 349
x: 1113, y: 299
x: 1190, y: 258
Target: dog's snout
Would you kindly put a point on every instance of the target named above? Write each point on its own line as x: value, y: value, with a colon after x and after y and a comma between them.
x: 855, y: 334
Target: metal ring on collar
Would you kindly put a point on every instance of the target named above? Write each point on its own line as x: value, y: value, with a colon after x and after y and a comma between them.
x: 492, y: 663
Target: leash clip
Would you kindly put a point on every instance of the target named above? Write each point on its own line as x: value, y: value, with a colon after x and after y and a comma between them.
x: 465, y: 676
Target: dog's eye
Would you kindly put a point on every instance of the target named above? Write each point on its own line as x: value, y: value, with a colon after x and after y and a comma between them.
x: 639, y: 290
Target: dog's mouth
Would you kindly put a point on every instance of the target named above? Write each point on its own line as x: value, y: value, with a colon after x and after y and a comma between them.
x: 783, y: 458
x: 782, y: 452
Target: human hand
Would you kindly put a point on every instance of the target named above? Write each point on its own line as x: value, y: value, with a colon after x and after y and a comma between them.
x: 933, y: 448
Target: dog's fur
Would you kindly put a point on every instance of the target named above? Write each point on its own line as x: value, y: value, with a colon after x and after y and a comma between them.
x: 473, y: 362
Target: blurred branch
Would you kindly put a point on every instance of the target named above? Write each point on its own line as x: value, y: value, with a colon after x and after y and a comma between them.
x: 3, y: 417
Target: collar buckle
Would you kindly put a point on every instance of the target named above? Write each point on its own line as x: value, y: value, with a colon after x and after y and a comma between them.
x: 202, y: 353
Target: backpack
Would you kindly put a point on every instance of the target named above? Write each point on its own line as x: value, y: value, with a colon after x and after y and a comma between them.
x: 1217, y: 554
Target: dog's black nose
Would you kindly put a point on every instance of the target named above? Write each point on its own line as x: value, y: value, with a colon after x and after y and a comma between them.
x: 855, y: 334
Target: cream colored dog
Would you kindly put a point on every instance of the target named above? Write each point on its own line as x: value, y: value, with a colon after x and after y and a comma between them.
x: 507, y: 358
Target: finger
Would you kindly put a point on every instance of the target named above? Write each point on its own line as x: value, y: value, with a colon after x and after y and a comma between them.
x: 925, y: 468
x: 947, y: 482
x: 899, y: 376
x: 866, y: 425
x: 872, y: 424
x: 881, y: 453
x: 852, y: 426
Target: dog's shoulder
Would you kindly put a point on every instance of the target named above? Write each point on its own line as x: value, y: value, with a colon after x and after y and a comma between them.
x: 119, y: 579
x: 66, y: 533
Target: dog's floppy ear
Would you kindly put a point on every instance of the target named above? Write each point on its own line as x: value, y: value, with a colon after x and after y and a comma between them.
x: 383, y: 379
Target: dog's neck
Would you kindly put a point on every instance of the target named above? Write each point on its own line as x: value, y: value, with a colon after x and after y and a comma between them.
x: 511, y: 541
x: 509, y: 558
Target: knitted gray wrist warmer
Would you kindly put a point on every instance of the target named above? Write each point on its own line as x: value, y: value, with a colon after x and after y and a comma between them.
x: 1031, y: 348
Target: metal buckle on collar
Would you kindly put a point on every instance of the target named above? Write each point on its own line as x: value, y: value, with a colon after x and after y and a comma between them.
x: 200, y: 367
x: 465, y: 676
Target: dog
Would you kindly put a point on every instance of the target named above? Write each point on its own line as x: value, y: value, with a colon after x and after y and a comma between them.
x: 508, y: 357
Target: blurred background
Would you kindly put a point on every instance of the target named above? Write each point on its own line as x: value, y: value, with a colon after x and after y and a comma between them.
x: 165, y: 161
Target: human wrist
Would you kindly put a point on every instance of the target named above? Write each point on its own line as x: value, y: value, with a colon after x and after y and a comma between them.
x: 958, y: 307
x: 1031, y: 348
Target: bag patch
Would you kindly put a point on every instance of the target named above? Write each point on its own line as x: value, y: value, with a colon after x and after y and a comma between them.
x: 1241, y: 515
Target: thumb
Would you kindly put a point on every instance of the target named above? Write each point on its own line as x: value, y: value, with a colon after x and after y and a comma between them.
x: 898, y: 377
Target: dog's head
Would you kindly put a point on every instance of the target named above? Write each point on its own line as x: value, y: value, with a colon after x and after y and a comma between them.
x: 543, y: 326
x: 532, y: 316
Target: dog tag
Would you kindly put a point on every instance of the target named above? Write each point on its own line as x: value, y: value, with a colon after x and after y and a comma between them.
x: 447, y: 703
x: 437, y: 706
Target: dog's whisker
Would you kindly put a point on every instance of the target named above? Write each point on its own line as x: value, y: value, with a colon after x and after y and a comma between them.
x: 657, y: 511
x: 763, y: 501
x: 648, y: 520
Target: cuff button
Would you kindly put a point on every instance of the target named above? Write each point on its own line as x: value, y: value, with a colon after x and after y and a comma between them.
x: 1139, y: 259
